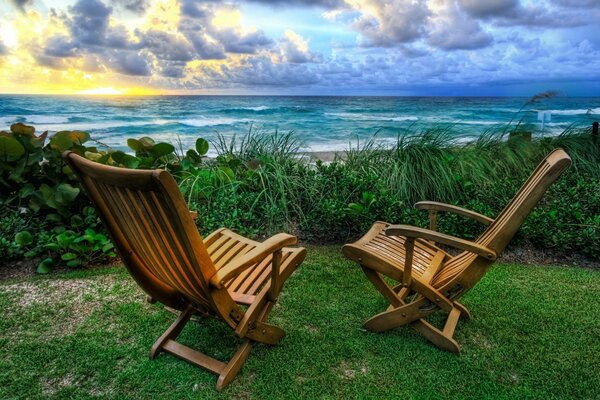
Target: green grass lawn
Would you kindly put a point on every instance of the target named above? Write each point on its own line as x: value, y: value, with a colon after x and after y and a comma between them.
x: 535, y: 333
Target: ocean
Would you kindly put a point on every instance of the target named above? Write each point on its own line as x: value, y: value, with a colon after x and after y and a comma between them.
x: 321, y: 123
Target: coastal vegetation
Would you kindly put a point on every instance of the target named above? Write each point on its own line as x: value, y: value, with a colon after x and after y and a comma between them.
x: 262, y: 183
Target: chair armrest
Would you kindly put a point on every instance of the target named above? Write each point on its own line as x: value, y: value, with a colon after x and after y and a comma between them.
x: 235, y: 267
x: 414, y: 232
x: 435, y: 206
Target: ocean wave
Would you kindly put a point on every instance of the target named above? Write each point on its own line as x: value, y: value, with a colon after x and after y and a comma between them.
x: 5, y: 122
x: 453, y: 121
x: 91, y: 126
x: 266, y: 109
x: 370, y: 117
x: 581, y: 111
x: 201, y: 122
x: 45, y: 119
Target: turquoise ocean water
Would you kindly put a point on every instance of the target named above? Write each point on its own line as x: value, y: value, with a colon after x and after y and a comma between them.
x: 322, y: 123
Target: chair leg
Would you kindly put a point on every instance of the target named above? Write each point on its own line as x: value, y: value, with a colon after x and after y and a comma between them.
x: 464, y: 312
x: 234, y: 365
x: 437, y: 337
x: 173, y: 331
x: 400, y: 313
x: 227, y: 371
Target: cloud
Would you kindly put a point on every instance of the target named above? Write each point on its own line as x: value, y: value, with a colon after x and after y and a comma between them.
x: 390, y: 23
x: 211, y: 41
x: 253, y: 72
x: 60, y: 46
x: 166, y: 45
x: 129, y: 63
x: 90, y: 21
x: 452, y: 29
x: 3, y: 49
x: 540, y: 14
x: 21, y: 4
x: 328, y: 4
x: 490, y: 8
x: 235, y: 42
x: 135, y: 6
x: 294, y: 49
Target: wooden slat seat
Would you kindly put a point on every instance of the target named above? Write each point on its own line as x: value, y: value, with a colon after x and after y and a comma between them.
x: 411, y: 256
x: 225, y: 246
x: 157, y: 239
x: 386, y: 254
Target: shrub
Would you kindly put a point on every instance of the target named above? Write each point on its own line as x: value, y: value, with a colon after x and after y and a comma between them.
x: 262, y: 184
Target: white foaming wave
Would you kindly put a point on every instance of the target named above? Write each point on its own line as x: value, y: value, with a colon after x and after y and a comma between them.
x: 200, y: 122
x: 368, y: 117
x: 471, y: 122
x: 258, y: 108
x: 575, y: 112
x: 46, y: 119
x: 462, y: 121
x: 5, y: 122
x: 86, y: 126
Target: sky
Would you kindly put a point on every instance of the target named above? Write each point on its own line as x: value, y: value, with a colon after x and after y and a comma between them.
x: 300, y: 47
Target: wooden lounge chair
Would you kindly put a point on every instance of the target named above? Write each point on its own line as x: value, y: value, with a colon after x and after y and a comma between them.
x: 428, y: 278
x: 224, y: 275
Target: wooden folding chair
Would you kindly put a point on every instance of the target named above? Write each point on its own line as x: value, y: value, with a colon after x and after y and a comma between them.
x: 232, y: 278
x: 428, y: 278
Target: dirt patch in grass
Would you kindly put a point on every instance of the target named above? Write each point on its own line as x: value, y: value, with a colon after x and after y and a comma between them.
x: 79, y: 298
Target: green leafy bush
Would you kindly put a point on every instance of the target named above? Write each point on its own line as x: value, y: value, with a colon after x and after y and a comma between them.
x: 263, y: 184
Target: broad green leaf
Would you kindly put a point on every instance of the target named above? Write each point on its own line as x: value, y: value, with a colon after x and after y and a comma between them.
x: 23, y: 238
x: 107, y: 247
x: 65, y: 140
x: 125, y: 159
x: 76, y: 221
x: 10, y: 148
x: 135, y: 145
x: 65, y: 193
x: 45, y: 266
x: 201, y: 146
x: 22, y: 129
x: 74, y: 263
x: 68, y: 256
x: 147, y: 142
x: 162, y: 149
x: 193, y: 156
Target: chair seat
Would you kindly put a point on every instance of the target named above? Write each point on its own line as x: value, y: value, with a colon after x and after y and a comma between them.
x: 224, y: 246
x: 386, y: 254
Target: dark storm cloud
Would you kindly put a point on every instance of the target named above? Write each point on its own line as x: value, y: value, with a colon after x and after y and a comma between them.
x: 129, y: 63
x: 242, y: 44
x: 60, y: 46
x: 490, y: 8
x: 172, y: 69
x: 90, y: 21
x: 167, y: 46
x: 540, y: 15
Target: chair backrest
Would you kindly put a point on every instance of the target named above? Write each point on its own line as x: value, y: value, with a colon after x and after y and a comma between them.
x: 149, y: 222
x: 500, y: 232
